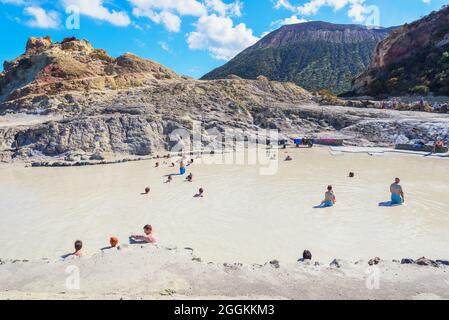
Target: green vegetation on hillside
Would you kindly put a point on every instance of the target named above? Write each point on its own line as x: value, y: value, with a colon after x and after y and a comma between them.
x: 313, y: 65
x: 424, y: 72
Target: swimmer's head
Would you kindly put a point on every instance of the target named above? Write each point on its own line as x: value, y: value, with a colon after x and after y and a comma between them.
x: 148, y: 229
x: 78, y: 245
x: 307, y: 255
x: 113, y: 242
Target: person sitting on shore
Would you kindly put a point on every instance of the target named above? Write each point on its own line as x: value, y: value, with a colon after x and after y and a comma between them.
x: 397, y: 194
x: 438, y: 146
x: 148, y: 236
x: 189, y: 178
x: 329, y: 198
x: 78, y: 247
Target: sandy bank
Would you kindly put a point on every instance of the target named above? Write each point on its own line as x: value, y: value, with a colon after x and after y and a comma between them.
x: 150, y: 272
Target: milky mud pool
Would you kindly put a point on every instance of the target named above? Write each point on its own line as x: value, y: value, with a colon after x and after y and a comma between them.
x: 244, y: 216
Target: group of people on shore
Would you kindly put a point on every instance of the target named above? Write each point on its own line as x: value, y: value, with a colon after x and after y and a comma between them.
x: 420, y: 105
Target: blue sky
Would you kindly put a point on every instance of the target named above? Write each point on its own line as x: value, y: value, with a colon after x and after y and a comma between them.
x: 190, y: 36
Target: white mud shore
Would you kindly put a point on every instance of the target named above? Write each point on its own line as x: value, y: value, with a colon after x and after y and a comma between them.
x: 151, y: 272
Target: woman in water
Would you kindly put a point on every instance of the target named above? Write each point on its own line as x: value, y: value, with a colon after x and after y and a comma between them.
x: 329, y: 198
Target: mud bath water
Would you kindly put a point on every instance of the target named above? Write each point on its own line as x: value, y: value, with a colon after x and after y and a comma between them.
x: 243, y: 217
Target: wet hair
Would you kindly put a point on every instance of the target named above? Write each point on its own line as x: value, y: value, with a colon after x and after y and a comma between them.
x: 307, y: 255
x: 148, y: 227
x: 329, y: 188
x: 113, y: 242
x: 78, y: 245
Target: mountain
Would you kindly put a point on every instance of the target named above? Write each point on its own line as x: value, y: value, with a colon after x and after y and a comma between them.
x: 70, y: 103
x: 413, y: 59
x: 314, y: 55
x: 48, y: 67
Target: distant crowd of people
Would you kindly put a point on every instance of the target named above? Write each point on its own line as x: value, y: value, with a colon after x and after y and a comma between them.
x: 421, y: 105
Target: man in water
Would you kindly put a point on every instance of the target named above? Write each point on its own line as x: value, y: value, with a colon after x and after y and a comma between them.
x: 397, y: 194
x: 148, y: 236
x: 329, y: 198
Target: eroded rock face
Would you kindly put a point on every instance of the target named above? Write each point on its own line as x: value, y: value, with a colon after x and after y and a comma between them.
x: 74, y: 65
x: 394, y: 69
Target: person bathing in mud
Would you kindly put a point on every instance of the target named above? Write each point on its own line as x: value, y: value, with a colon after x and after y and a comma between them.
x: 147, y: 237
x: 78, y: 247
x: 329, y: 198
x: 200, y: 193
x: 397, y: 194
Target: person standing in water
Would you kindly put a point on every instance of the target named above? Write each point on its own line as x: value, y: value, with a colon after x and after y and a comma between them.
x: 329, y: 198
x: 182, y: 168
x: 397, y: 194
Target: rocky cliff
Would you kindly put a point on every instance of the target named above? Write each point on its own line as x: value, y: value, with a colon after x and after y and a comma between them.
x: 314, y: 55
x: 413, y: 59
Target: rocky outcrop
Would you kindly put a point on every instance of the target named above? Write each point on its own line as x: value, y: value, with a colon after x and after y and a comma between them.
x: 412, y: 59
x: 73, y: 65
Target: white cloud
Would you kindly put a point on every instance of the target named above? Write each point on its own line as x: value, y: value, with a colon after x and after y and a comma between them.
x: 40, y: 18
x: 290, y: 20
x: 220, y: 37
x: 357, y: 9
x: 96, y: 10
x: 225, y: 9
x: 164, y: 45
x: 16, y: 2
x: 167, y: 12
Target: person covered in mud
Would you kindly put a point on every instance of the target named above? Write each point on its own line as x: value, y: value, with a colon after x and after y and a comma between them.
x: 200, y: 193
x: 78, y: 247
x: 147, y: 237
x: 397, y: 194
